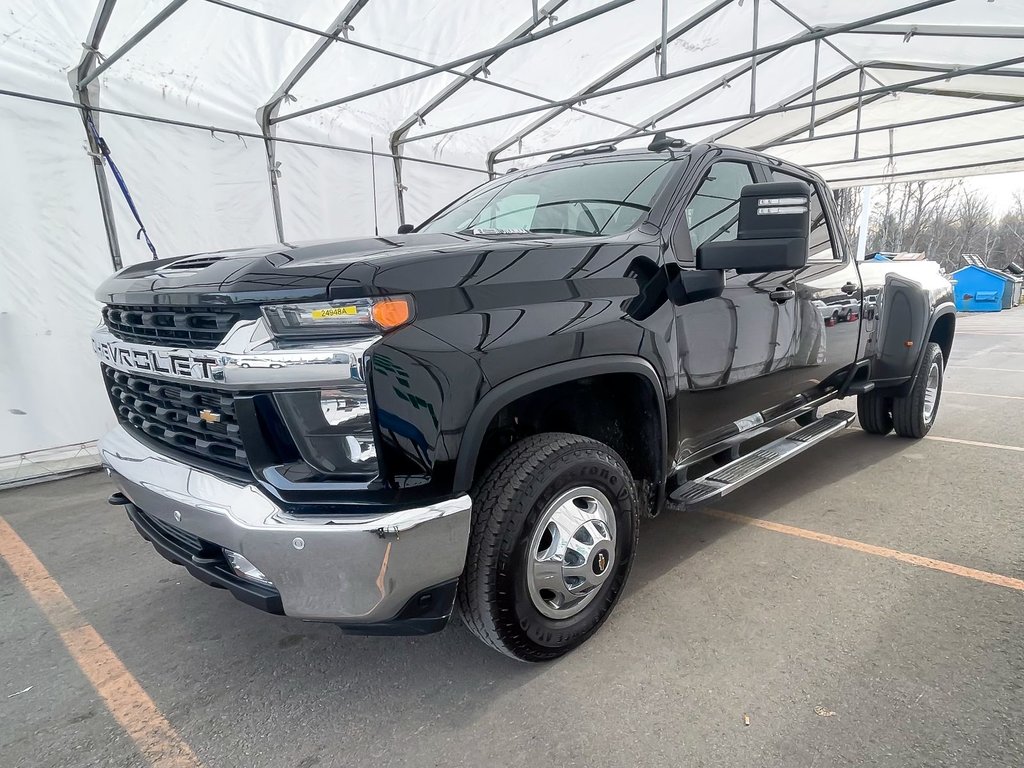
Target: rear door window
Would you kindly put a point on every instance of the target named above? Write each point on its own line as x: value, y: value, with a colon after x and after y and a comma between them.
x: 822, y: 247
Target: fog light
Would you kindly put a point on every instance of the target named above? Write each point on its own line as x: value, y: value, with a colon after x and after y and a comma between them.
x: 332, y: 429
x: 244, y: 569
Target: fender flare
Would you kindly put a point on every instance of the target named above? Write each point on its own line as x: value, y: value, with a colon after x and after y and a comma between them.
x: 532, y: 381
x: 940, y: 310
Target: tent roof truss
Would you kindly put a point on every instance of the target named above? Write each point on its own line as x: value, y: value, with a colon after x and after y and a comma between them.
x: 475, y: 67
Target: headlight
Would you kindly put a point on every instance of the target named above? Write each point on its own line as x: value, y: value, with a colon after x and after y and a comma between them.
x: 339, y: 318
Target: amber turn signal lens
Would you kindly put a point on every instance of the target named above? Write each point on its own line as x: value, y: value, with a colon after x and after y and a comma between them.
x: 391, y: 313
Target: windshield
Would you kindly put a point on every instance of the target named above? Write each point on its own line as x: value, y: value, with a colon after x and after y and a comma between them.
x: 606, y: 198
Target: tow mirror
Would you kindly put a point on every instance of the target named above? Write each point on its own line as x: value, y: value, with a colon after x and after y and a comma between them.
x: 405, y: 229
x: 774, y: 224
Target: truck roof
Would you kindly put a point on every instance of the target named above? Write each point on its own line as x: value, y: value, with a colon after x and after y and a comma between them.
x: 608, y: 153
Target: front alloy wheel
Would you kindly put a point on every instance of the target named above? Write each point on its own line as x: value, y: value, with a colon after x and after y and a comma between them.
x: 571, y: 552
x: 555, y: 525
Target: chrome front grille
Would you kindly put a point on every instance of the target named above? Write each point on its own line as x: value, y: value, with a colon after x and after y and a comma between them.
x: 192, y: 327
x: 172, y: 413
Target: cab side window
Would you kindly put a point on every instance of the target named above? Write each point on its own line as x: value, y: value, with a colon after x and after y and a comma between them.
x: 820, y: 241
x: 713, y: 213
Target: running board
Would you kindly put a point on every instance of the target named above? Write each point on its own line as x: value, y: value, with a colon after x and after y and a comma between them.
x: 728, y: 478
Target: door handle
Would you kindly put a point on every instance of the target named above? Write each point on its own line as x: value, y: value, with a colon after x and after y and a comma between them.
x: 781, y: 295
x: 849, y: 288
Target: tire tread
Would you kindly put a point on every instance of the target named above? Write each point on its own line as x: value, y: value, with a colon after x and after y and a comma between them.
x: 908, y: 411
x: 510, y: 475
x: 873, y: 413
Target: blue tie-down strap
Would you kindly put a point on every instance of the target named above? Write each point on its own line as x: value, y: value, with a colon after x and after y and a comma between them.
x: 105, y: 151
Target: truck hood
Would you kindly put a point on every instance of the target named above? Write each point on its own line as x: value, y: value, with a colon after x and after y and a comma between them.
x: 311, y: 271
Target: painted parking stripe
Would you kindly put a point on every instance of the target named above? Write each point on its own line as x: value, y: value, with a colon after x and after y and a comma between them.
x: 871, y: 549
x: 982, y: 394
x: 975, y: 443
x: 980, y: 368
x: 122, y: 694
x: 1015, y: 448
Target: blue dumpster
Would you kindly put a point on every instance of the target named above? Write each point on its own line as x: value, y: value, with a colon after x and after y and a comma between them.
x: 980, y: 289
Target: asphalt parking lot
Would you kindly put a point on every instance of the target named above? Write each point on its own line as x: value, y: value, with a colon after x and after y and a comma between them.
x: 862, y: 605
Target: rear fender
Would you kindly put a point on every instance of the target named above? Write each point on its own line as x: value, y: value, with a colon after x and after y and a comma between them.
x: 915, y: 353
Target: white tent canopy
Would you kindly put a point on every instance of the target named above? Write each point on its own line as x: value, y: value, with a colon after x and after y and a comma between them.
x: 245, y: 122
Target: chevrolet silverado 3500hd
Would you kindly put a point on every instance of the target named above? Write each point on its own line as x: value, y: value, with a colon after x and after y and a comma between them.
x: 479, y: 410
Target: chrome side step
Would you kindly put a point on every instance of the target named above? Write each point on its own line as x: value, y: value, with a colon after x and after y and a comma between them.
x: 728, y: 478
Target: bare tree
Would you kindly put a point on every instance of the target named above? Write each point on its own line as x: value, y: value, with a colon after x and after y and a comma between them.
x: 1009, y: 234
x: 848, y: 201
x: 945, y: 219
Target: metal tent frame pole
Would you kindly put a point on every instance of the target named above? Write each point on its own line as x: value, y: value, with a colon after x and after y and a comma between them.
x: 817, y: 55
x: 342, y: 24
x: 651, y: 120
x: 743, y: 56
x: 353, y: 43
x: 81, y: 74
x: 609, y: 76
x: 92, y: 65
x: 782, y: 139
x: 228, y: 131
x: 778, y: 4
x: 912, y: 152
x: 471, y: 58
x: 885, y: 178
x: 753, y: 59
x: 891, y: 126
x: 479, y: 67
x: 816, y: 120
x: 696, y: 96
x: 814, y: 86
x: 132, y: 41
x: 908, y: 31
x: 884, y: 90
x: 932, y: 66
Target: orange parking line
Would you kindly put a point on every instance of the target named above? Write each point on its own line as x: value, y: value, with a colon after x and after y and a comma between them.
x: 122, y: 694
x: 871, y: 549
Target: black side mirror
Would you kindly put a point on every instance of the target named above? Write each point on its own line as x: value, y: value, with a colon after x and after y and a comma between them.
x: 774, y: 224
x: 405, y: 229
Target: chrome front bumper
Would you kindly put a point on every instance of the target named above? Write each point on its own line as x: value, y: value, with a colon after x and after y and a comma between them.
x: 354, y: 570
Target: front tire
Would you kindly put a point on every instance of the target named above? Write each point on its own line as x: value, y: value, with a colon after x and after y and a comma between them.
x: 555, y: 528
x: 914, y: 414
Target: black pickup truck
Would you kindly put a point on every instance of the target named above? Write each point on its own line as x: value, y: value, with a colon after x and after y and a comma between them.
x: 480, y: 410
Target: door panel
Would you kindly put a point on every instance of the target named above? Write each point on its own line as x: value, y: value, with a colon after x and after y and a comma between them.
x: 827, y: 317
x: 732, y: 348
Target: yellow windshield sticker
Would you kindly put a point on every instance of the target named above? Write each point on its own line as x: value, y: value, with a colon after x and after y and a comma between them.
x: 324, y: 314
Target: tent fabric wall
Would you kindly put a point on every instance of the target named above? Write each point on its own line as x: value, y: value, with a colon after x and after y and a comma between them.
x: 52, y: 254
x: 211, y: 65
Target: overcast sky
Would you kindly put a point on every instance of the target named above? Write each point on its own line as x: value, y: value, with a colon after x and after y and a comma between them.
x: 998, y: 188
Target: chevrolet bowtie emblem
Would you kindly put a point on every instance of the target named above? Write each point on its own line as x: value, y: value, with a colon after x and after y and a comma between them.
x: 209, y: 416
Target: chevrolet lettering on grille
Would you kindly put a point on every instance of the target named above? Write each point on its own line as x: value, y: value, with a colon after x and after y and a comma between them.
x: 175, y: 362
